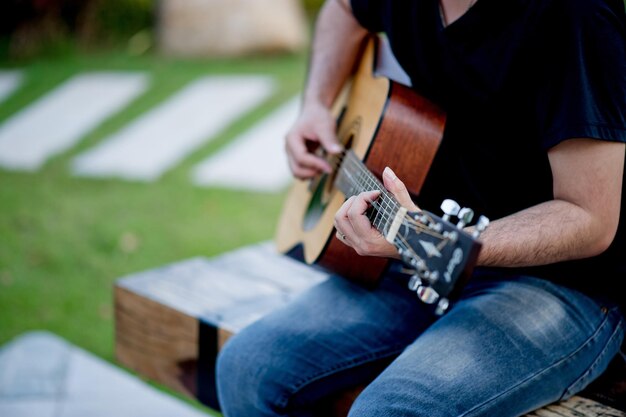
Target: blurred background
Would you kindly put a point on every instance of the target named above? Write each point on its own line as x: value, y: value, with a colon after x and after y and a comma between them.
x: 134, y: 134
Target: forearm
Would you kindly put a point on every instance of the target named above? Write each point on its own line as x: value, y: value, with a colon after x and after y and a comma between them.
x: 550, y: 232
x: 336, y: 43
x: 580, y: 222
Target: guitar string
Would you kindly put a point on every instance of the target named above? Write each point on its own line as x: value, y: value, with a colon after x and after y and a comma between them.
x: 386, y: 205
x: 358, y: 164
x: 413, y: 225
x: 388, y: 200
x: 356, y: 182
x: 409, y: 222
x: 391, y: 199
x: 389, y: 205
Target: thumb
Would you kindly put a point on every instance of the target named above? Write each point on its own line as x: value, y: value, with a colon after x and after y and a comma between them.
x: 398, y: 189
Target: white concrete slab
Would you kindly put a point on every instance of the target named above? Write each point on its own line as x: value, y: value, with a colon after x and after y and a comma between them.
x: 10, y: 80
x: 28, y: 407
x: 256, y: 160
x: 160, y: 139
x: 111, y: 382
x: 84, y: 385
x: 57, y: 121
x: 35, y: 366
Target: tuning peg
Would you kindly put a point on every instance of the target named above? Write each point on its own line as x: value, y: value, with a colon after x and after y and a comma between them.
x: 449, y: 208
x: 465, y: 216
x: 427, y: 294
x: 451, y: 236
x: 414, y: 283
x: 442, y: 306
x: 481, y: 225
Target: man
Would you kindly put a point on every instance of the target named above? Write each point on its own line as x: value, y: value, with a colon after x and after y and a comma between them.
x: 534, y: 92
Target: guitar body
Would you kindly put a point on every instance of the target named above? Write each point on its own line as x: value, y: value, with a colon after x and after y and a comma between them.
x: 385, y: 124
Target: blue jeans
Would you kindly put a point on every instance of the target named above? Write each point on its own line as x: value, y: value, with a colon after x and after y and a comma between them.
x: 506, y: 347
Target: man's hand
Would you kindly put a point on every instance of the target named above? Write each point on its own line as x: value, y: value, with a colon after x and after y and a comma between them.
x: 315, y: 127
x: 354, y: 228
x: 336, y: 44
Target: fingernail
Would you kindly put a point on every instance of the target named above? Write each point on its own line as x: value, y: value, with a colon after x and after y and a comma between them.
x: 334, y: 147
x: 389, y: 173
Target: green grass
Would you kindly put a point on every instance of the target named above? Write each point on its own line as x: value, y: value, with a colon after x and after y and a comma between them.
x: 65, y: 240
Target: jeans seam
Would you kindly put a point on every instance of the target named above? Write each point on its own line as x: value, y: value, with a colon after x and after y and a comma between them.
x: 595, y: 362
x: 284, y: 400
x: 589, y: 340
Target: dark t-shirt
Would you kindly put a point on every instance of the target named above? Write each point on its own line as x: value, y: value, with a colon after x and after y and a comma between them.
x: 515, y: 78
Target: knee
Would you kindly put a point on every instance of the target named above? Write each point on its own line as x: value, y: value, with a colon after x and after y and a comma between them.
x: 232, y: 370
x: 376, y: 400
x: 389, y: 395
x: 248, y: 382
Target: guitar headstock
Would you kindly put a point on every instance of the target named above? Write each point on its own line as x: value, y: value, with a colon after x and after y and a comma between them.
x: 440, y: 254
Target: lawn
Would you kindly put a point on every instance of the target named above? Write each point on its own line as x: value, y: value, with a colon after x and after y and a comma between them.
x: 65, y: 240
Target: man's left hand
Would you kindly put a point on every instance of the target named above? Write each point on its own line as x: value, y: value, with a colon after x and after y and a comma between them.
x: 354, y: 228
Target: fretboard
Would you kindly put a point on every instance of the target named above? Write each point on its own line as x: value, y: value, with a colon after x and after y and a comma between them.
x: 353, y: 178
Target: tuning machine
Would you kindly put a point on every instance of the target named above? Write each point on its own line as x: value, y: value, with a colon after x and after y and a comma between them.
x: 442, y: 306
x: 465, y: 216
x: 480, y: 227
x: 449, y: 208
x: 415, y: 282
x: 428, y: 295
x: 419, y: 283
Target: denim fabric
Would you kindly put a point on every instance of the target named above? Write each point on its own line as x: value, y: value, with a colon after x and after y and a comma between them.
x: 505, y: 348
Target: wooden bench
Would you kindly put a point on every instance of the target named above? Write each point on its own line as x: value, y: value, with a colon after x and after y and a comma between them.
x: 171, y: 322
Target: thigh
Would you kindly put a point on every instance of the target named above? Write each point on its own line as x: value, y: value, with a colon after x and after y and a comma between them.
x: 333, y: 336
x: 505, y: 349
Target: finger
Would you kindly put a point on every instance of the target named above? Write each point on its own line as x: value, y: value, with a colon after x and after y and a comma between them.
x: 311, y: 161
x: 342, y: 213
x: 398, y: 189
x: 298, y: 152
x: 328, y: 138
x: 341, y: 222
x: 356, y: 213
x: 300, y: 172
x: 342, y: 238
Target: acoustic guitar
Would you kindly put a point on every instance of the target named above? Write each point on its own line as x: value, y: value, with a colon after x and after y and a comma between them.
x: 381, y: 122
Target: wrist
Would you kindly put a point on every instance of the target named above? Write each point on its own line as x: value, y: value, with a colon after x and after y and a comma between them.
x: 316, y: 101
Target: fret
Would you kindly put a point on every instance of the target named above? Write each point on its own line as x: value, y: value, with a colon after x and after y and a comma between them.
x: 377, y: 222
x: 353, y: 178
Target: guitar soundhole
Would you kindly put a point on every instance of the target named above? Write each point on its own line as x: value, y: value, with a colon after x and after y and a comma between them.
x: 317, y: 205
x: 322, y: 189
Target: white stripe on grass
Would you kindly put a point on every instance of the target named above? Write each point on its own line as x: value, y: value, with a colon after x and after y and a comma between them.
x: 61, y: 118
x: 10, y: 80
x: 256, y: 160
x: 158, y: 140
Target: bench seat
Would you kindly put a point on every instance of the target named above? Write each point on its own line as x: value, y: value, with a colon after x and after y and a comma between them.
x: 170, y: 323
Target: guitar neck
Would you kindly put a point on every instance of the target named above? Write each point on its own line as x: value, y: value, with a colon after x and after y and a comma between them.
x: 353, y: 178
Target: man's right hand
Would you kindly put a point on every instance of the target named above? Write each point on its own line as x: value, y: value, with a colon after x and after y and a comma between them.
x: 314, y: 127
x: 336, y: 44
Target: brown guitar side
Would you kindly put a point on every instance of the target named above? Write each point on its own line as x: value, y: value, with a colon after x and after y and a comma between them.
x: 386, y: 124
